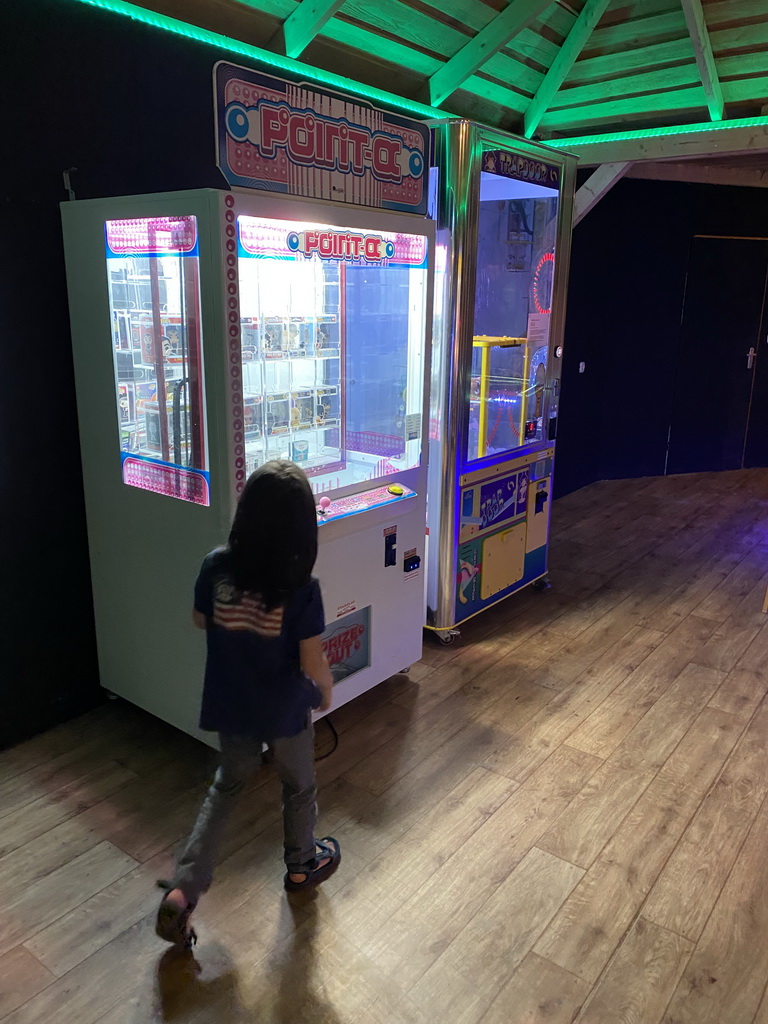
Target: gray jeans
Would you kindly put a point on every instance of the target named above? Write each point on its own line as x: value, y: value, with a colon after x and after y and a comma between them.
x: 240, y: 758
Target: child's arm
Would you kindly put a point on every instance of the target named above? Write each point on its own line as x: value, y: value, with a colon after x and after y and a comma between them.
x: 202, y: 606
x: 315, y: 665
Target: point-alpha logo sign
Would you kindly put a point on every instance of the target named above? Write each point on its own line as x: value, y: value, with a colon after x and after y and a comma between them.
x: 341, y: 245
x: 303, y: 140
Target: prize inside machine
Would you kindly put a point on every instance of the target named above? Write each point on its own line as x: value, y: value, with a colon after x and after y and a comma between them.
x: 155, y: 325
x: 333, y: 343
x: 510, y: 344
x: 503, y: 478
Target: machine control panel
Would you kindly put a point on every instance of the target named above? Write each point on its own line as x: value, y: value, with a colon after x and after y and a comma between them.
x: 328, y: 510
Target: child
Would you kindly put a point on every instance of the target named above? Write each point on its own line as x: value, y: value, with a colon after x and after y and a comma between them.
x: 265, y: 672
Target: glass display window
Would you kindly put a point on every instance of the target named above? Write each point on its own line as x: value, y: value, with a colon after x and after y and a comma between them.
x: 517, y: 227
x: 332, y: 329
x: 154, y: 297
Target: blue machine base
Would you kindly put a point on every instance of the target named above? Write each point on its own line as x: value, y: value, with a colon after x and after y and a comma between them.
x: 535, y: 568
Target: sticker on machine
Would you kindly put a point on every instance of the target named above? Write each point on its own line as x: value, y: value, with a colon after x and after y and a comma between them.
x: 538, y: 329
x: 468, y: 578
x: 413, y: 426
x: 504, y: 499
x: 345, y: 609
x: 347, y: 644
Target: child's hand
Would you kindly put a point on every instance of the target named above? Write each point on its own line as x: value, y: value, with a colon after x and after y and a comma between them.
x: 315, y: 665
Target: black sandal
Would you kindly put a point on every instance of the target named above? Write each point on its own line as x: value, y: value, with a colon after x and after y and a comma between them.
x: 330, y: 848
x: 172, y: 923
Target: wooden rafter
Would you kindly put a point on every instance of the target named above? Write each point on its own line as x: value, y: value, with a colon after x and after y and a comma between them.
x: 595, y: 187
x: 702, y: 47
x: 303, y: 24
x: 591, y: 13
x: 634, y: 71
x: 489, y: 40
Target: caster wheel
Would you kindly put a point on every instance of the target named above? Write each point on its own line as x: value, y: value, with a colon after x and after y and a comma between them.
x: 405, y: 671
x: 541, y: 585
x: 447, y: 637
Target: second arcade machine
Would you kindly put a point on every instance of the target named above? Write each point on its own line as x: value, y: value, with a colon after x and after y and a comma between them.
x: 503, y: 209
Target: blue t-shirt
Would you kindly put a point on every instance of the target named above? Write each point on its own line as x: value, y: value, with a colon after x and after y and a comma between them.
x: 254, y: 685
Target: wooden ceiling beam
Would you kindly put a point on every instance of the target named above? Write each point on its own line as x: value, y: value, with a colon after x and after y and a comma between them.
x: 574, y: 43
x: 714, y: 172
x: 489, y: 40
x: 596, y: 186
x: 702, y: 47
x: 303, y: 24
x: 746, y: 136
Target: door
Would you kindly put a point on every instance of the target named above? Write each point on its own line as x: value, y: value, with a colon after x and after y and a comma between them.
x: 716, y: 419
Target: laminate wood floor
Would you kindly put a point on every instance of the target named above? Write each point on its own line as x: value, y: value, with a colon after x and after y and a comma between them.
x: 561, y: 818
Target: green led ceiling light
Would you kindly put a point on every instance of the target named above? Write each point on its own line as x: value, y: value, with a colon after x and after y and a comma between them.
x: 655, y: 133
x: 275, y: 60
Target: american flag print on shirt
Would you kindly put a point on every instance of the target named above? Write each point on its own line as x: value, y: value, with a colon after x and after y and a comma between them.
x: 233, y: 610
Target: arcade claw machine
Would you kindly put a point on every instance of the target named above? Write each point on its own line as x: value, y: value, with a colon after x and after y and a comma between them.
x: 503, y: 212
x: 214, y: 330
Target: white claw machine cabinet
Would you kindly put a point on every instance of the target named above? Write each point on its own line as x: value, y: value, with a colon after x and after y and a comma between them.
x: 215, y: 330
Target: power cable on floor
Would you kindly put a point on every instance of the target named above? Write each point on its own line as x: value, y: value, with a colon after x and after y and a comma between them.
x: 334, y: 734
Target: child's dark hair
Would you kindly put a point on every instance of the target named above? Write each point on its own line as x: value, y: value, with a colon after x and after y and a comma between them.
x: 273, y: 541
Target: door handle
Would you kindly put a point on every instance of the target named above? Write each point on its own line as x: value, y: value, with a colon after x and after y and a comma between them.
x: 751, y: 358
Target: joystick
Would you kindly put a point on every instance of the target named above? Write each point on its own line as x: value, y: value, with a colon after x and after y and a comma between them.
x: 323, y: 505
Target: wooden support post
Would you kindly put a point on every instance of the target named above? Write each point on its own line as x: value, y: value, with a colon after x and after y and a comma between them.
x: 488, y: 41
x: 702, y: 47
x: 591, y: 13
x: 595, y: 187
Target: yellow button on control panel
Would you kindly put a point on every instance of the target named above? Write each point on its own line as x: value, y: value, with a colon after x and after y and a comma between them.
x: 395, y: 489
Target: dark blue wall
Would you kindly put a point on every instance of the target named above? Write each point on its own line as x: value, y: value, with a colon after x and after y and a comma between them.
x: 625, y: 301
x: 132, y: 109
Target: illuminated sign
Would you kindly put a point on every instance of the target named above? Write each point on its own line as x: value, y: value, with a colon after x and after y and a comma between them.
x: 303, y: 140
x: 328, y: 142
x: 523, y: 168
x: 341, y: 245
x: 152, y: 235
x: 287, y: 239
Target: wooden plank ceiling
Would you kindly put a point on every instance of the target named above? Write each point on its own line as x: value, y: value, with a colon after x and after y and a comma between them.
x: 535, y: 67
